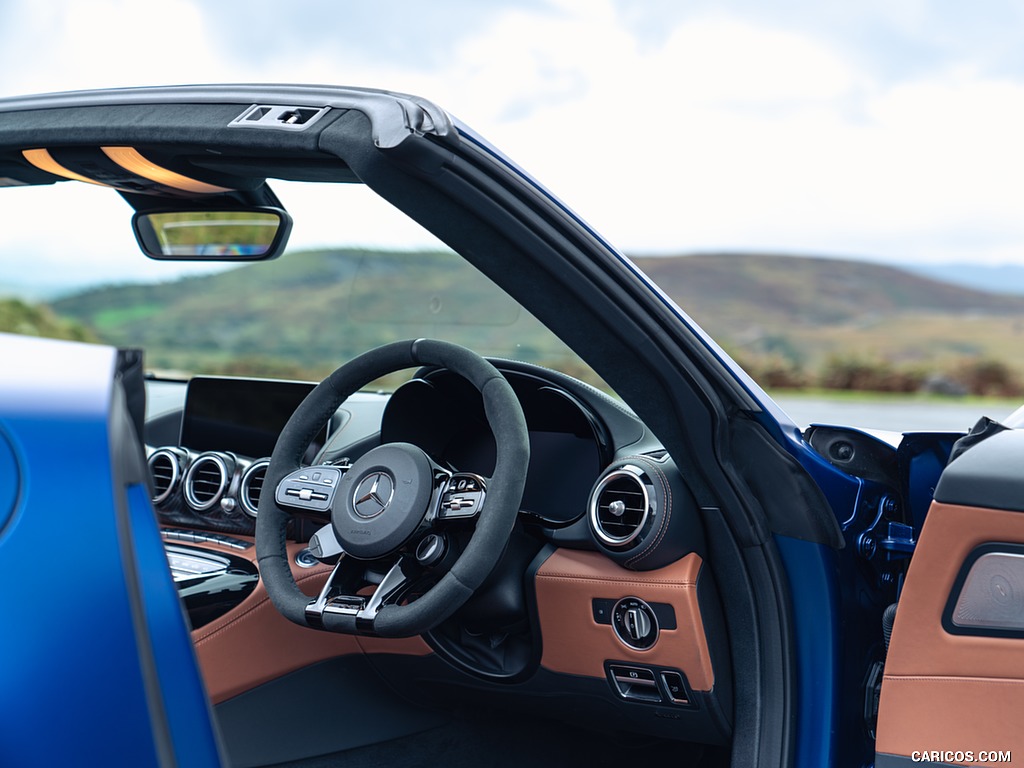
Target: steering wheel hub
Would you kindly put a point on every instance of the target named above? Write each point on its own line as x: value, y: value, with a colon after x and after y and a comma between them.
x: 382, y: 500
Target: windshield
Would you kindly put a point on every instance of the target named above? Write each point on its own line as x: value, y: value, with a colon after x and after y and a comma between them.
x: 357, y: 274
x: 834, y: 340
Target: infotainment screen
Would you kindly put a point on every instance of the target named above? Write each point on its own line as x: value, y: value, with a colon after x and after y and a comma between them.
x: 243, y: 416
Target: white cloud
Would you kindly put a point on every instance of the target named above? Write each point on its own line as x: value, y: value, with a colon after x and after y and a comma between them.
x: 736, y: 136
x: 69, y: 45
x: 727, y: 134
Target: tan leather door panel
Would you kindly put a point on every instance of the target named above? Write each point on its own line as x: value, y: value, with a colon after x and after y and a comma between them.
x: 956, y: 694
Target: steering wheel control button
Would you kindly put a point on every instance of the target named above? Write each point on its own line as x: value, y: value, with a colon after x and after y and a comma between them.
x: 324, y: 546
x: 463, y: 498
x: 458, y: 505
x: 304, y: 489
x: 635, y: 623
x: 431, y: 549
x: 305, y: 558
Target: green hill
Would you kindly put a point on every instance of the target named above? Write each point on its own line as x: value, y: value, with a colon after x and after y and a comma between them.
x: 305, y: 313
x: 39, y: 320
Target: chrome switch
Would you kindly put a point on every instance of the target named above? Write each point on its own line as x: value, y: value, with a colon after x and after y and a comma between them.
x: 635, y: 623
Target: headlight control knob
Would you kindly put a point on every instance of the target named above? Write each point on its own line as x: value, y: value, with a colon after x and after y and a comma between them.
x: 635, y: 623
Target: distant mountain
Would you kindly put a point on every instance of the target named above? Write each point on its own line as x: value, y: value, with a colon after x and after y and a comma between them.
x: 1006, y: 278
x: 808, y: 310
x: 307, y: 312
x: 783, y: 290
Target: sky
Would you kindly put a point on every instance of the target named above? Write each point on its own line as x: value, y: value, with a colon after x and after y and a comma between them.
x: 889, y: 130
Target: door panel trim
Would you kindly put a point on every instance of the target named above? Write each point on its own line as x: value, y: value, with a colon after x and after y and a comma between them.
x: 945, y: 691
x: 920, y: 646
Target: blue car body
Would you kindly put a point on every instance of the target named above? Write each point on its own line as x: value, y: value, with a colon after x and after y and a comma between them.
x: 98, y: 666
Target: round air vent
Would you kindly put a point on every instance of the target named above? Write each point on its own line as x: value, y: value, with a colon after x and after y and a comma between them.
x: 252, y: 486
x: 642, y: 514
x: 165, y: 469
x: 206, y: 481
x: 619, y: 506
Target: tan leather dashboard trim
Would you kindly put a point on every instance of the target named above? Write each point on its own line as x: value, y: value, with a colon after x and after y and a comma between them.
x: 253, y: 644
x: 942, y: 691
x: 574, y: 643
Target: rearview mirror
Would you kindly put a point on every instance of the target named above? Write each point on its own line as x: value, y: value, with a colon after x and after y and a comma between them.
x: 255, y: 234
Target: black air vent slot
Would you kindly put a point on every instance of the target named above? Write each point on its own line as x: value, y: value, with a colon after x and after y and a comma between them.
x: 164, y: 470
x: 252, y: 486
x: 206, y: 482
x: 621, y: 507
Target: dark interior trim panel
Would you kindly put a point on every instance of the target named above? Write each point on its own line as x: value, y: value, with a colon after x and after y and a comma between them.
x: 991, y: 474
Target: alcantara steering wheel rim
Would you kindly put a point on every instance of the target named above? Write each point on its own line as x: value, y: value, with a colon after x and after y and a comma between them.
x: 380, y: 614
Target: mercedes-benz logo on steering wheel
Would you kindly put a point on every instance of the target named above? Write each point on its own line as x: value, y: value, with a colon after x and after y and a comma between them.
x: 373, y: 494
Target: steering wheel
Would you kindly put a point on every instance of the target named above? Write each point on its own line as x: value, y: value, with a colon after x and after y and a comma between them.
x: 393, y: 502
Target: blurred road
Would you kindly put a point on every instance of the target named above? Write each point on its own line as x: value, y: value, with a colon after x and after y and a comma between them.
x: 897, y: 416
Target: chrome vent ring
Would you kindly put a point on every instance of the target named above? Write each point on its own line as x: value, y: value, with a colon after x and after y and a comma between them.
x: 252, y: 486
x: 620, y: 505
x: 206, y: 481
x: 165, y: 471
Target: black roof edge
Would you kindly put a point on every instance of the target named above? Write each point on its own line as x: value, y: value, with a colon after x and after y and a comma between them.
x: 393, y: 116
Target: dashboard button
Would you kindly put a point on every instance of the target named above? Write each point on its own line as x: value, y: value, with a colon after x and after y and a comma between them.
x: 430, y: 550
x: 635, y: 623
x: 635, y: 683
x: 603, y: 610
x: 676, y: 687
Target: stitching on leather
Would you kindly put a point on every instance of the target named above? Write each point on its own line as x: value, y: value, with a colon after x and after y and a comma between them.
x: 953, y: 679
x: 611, y: 580
x: 665, y: 519
x: 260, y: 603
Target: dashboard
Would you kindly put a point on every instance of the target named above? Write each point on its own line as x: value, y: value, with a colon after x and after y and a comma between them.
x: 601, y: 588
x: 212, y: 475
